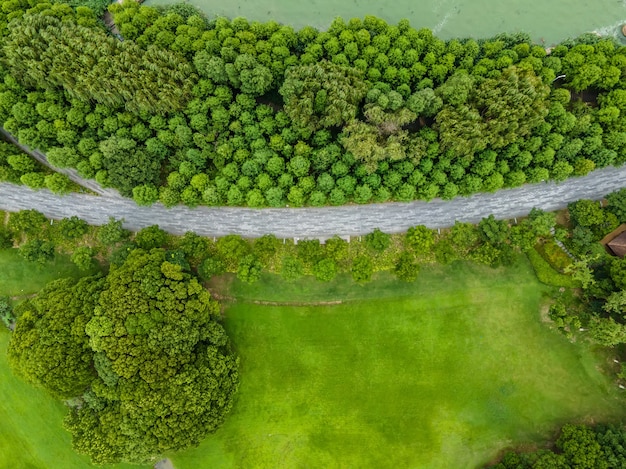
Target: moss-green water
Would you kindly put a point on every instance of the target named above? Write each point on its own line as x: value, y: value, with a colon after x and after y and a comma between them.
x: 546, y: 21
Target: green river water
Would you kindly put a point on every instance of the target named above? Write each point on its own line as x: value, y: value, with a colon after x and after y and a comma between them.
x: 547, y: 21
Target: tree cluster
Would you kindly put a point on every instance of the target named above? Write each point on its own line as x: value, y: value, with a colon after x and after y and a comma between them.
x: 578, y: 446
x: 139, y: 356
x: 237, y: 112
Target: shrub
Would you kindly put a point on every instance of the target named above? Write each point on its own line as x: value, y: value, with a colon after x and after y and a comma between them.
x: 37, y: 250
x: 546, y: 274
x: 6, y: 311
x: 377, y: 240
x: 553, y: 253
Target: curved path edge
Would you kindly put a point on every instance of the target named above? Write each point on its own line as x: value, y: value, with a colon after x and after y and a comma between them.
x: 89, y: 184
x: 313, y: 222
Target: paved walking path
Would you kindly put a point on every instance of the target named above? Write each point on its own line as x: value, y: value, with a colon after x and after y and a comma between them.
x: 316, y: 222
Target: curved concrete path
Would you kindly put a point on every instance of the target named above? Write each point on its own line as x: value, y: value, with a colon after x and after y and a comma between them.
x: 317, y: 222
x: 89, y: 184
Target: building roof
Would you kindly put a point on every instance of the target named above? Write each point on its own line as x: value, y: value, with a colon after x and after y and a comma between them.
x: 618, y: 244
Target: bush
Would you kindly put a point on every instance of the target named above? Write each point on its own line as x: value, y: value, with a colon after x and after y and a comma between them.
x: 546, y: 274
x: 211, y: 266
x: 6, y: 311
x: 151, y: 237
x: 377, y: 240
x: 406, y: 268
x: 325, y: 270
x: 83, y: 258
x: 38, y: 251
x: 291, y: 268
x: 362, y: 269
x: 6, y: 240
x: 249, y: 269
x: 553, y: 253
x: 112, y: 233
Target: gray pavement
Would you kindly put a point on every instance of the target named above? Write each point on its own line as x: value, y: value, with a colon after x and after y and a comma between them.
x: 312, y: 222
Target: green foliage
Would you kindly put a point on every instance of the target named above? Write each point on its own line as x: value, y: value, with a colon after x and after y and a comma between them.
x: 211, y: 266
x: 249, y: 269
x: 420, y: 238
x: 150, y: 237
x: 377, y: 240
x: 49, y: 347
x: 6, y: 312
x: 194, y: 247
x: 83, y: 258
x: 616, y: 204
x: 58, y: 183
x: 71, y: 228
x: 360, y: 113
x: 58, y: 48
x: 231, y: 249
x: 291, y: 268
x: 37, y: 250
x: 578, y: 446
x: 29, y: 222
x: 542, y: 223
x: 406, y: 269
x: 112, y: 232
x: 325, y: 270
x: 546, y: 274
x: 265, y: 247
x: 322, y: 94
x: 494, y: 231
x: 6, y: 238
x: 362, y: 269
x: 143, y: 340
x: 554, y: 254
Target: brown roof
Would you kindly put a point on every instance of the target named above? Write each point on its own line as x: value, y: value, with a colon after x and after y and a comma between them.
x: 618, y: 244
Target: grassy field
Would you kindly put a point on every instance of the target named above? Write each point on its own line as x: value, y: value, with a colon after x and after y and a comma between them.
x: 442, y: 373
x: 456, y: 369
x: 19, y: 278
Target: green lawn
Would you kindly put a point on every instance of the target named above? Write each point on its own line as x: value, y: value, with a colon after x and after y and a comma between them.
x: 442, y: 373
x: 18, y: 278
x: 443, y: 378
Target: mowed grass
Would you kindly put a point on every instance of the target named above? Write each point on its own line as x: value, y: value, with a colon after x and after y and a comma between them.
x: 20, y: 278
x: 444, y: 378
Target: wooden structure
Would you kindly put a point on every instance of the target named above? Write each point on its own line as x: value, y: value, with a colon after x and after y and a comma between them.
x: 615, y: 241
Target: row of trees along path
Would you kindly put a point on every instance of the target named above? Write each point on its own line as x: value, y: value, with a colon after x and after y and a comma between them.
x: 316, y: 222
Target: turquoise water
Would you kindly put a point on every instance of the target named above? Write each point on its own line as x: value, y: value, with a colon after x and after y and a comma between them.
x: 547, y: 21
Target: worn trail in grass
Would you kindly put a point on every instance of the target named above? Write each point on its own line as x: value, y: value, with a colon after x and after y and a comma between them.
x: 455, y: 369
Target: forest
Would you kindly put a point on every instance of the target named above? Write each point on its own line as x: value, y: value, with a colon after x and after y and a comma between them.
x: 196, y: 110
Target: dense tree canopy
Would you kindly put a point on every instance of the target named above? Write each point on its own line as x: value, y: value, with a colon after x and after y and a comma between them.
x: 141, y: 353
x: 236, y: 112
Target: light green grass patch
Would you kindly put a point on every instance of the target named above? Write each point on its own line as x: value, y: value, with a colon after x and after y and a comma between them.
x: 21, y: 278
x: 444, y: 378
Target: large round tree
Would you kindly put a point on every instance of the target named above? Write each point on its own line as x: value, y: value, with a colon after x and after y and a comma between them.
x: 161, y: 371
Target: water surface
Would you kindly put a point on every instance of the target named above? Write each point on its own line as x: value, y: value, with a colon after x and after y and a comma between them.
x: 547, y: 21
